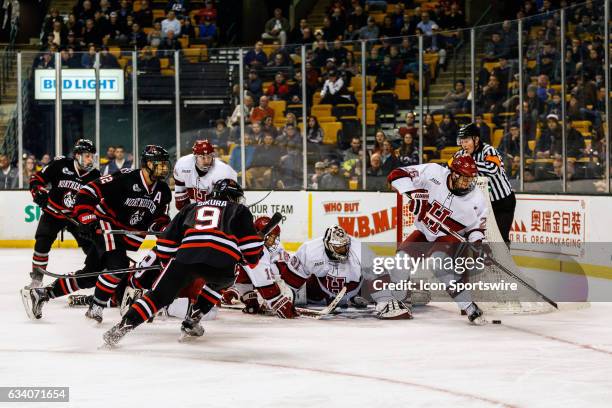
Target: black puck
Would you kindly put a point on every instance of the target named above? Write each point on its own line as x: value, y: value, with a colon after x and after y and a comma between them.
x: 496, y: 321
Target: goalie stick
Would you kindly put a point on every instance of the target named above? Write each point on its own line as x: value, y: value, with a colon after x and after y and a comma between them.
x: 500, y: 266
x: 93, y: 274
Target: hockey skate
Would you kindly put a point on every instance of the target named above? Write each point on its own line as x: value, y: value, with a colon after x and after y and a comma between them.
x: 37, y: 279
x: 116, y: 333
x: 95, y: 312
x: 79, y: 300
x: 475, y: 315
x: 33, y: 301
x: 191, y: 327
x: 393, y: 310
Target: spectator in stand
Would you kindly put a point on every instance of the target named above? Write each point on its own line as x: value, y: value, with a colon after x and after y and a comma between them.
x: 262, y: 110
x: 9, y: 175
x: 296, y: 35
x: 187, y: 29
x: 124, y: 11
x: 180, y: 7
x: 492, y: 95
x: 410, y: 126
x: 115, y: 30
x: 510, y: 146
x: 483, y: 128
x: 320, y: 168
x: 370, y: 31
x: 102, y: 25
x: 148, y: 62
x: 549, y: 143
x: 295, y: 90
x: 68, y: 61
x: 208, y: 11
x: 86, y: 12
x: 334, y: 91
x: 144, y: 16
x: 170, y: 23
x: 109, y: 156
x: 496, y: 48
x: 108, y: 60
x: 168, y: 45
x: 509, y: 35
x: 219, y: 136
x: 389, y: 160
x: 379, y: 139
x: 29, y: 169
x: 45, y: 159
x: 91, y: 35
x: 137, y: 37
x: 265, y: 158
x: 277, y: 28
x: 448, y: 132
x: 548, y: 62
x: 118, y: 163
x: 72, y: 41
x: 357, y: 18
x: 268, y: 126
x: 239, y: 111
x: 337, y: 24
x: 50, y: 20
x: 155, y: 36
x: 593, y: 65
x: 351, y: 158
x: 45, y: 61
x: 289, y: 136
x: 290, y: 119
x: 59, y: 34
x: 290, y: 172
x: 255, y: 130
x: 278, y: 61
x: 586, y: 28
x: 456, y: 100
x: 321, y: 54
x: 333, y: 180
x: 385, y: 78
x: 254, y: 84
x: 314, y: 132
x: 88, y: 60
x: 235, y: 160
x: 256, y: 57
x: 278, y: 89
x: 408, y: 153
x: 376, y: 176
x: 208, y: 32
x: 430, y: 131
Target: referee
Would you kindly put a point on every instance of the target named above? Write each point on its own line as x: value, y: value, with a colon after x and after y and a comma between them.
x: 490, y: 164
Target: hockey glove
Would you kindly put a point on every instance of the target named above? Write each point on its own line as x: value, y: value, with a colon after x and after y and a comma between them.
x: 87, y: 227
x: 230, y: 296
x: 40, y: 196
x: 251, y: 302
x: 283, y: 307
x: 160, y: 224
x: 483, y: 250
x: 419, y: 203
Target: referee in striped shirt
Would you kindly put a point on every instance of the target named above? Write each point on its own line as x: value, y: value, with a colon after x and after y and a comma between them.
x: 490, y: 164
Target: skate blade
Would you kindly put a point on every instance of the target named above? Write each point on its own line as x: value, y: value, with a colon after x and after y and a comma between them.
x: 186, y: 338
x: 106, y: 346
x: 26, y: 299
x: 479, y: 322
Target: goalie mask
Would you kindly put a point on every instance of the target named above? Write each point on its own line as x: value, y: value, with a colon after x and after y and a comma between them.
x: 272, y: 239
x: 83, y: 153
x: 463, y: 175
x: 204, y: 155
x: 337, y: 243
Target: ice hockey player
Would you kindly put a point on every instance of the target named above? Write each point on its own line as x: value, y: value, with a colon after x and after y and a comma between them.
x: 133, y: 199
x: 54, y: 189
x: 206, y: 240
x: 264, y: 278
x: 444, y: 200
x: 196, y: 173
x: 333, y: 261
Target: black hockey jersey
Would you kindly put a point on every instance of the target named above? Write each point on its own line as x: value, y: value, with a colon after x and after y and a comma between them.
x: 215, y: 232
x: 124, y: 201
x: 66, y: 180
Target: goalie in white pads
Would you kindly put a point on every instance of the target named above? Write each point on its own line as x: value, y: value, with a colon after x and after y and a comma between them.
x: 195, y: 174
x: 332, y: 262
x: 447, y: 209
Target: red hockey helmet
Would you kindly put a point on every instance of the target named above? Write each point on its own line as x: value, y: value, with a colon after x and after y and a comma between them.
x: 203, y: 152
x: 273, y: 238
x: 463, y: 175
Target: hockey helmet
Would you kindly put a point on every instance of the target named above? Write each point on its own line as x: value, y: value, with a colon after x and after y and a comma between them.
x: 463, y: 175
x: 83, y: 146
x: 203, y: 152
x: 229, y: 190
x: 466, y: 131
x: 272, y: 239
x: 160, y: 160
x: 337, y: 243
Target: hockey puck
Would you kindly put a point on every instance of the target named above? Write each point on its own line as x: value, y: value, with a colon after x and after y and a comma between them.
x: 496, y: 321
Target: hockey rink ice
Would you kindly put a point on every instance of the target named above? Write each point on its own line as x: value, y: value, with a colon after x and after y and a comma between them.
x: 561, y: 359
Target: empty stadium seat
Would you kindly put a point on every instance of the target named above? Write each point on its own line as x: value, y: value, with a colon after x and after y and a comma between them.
x: 330, y: 132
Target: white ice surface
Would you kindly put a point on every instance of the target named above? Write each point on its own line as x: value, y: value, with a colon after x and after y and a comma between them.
x: 555, y: 360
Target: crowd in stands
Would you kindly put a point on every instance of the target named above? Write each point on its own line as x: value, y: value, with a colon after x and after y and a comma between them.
x: 275, y: 90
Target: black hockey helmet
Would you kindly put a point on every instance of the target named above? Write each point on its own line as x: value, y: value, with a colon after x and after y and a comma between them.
x: 160, y: 159
x: 83, y: 146
x: 228, y: 189
x: 469, y: 130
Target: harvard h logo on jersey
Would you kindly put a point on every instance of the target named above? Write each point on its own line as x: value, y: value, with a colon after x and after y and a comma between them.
x: 334, y: 283
x: 439, y: 214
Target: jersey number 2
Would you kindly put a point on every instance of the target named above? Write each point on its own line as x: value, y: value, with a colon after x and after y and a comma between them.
x: 207, y: 218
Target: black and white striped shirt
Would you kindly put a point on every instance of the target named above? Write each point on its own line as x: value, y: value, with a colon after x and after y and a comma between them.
x: 490, y: 164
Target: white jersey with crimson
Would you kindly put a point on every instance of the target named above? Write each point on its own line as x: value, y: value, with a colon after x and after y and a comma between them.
x: 190, y: 184
x: 465, y: 215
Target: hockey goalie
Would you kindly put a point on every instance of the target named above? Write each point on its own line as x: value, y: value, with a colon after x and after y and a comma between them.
x: 447, y: 210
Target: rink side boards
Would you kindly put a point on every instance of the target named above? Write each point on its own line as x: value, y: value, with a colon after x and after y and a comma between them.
x: 370, y: 217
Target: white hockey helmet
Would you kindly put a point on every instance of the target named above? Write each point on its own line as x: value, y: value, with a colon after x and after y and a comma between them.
x: 337, y: 243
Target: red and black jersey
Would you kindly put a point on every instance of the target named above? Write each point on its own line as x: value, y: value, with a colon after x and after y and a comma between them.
x: 65, y: 179
x: 215, y: 232
x: 123, y: 200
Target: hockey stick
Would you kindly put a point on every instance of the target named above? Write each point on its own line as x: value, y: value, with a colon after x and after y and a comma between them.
x: 259, y: 201
x: 274, y: 221
x: 128, y: 232
x: 92, y: 274
x: 500, y: 266
x: 317, y: 314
